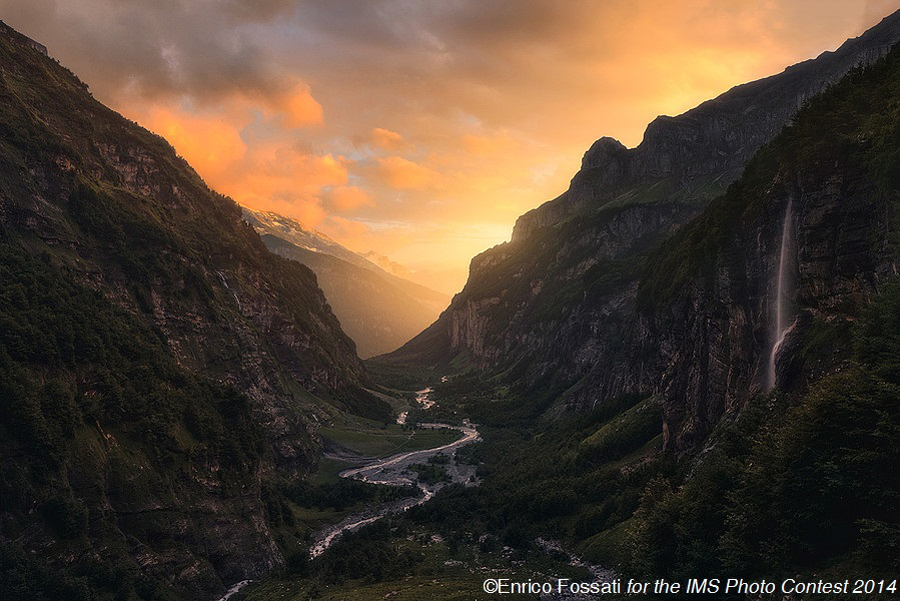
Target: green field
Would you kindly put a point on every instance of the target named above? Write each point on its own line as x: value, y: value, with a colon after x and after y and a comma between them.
x: 328, y: 470
x: 377, y: 440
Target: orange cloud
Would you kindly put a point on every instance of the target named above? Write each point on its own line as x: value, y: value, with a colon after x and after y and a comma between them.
x: 296, y: 168
x: 271, y: 173
x: 298, y: 108
x: 209, y: 143
x: 290, y: 105
x: 287, y: 181
x: 386, y: 139
x: 346, y: 231
x: 403, y: 174
x: 500, y: 104
x: 346, y: 198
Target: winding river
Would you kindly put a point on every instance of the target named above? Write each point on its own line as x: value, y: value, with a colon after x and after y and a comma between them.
x: 393, y: 471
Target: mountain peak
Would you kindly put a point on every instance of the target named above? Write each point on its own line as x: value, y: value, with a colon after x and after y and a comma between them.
x: 704, y: 149
x: 602, y: 152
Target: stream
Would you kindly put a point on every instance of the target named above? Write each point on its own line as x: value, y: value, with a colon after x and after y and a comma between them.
x: 599, y: 573
x: 393, y: 471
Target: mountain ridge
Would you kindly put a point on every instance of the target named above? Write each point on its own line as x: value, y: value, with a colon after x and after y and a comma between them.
x: 558, y: 302
x: 293, y: 231
x: 161, y: 372
x: 714, y: 137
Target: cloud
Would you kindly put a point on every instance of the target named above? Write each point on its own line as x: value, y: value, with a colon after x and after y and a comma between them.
x: 391, y: 141
x: 410, y: 113
x: 204, y: 49
x: 342, y: 199
x: 341, y: 228
x: 258, y: 10
x: 212, y: 145
x: 403, y: 174
x: 265, y: 172
x: 298, y: 108
x: 283, y: 172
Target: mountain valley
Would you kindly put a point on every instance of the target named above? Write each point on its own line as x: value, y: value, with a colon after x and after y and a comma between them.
x: 685, y: 366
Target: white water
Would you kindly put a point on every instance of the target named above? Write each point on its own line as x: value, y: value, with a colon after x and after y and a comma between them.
x: 782, y: 289
x: 423, y: 398
x: 389, y: 472
x: 392, y: 471
x: 355, y: 522
x: 235, y: 589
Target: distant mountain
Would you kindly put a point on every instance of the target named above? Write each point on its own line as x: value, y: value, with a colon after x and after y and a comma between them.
x: 294, y: 232
x: 378, y: 310
x: 389, y: 266
x: 160, y: 371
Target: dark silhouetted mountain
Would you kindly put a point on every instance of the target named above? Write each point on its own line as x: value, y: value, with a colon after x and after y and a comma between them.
x: 555, y: 309
x: 159, y: 368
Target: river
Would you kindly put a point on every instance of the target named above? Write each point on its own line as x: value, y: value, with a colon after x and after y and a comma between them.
x: 393, y: 471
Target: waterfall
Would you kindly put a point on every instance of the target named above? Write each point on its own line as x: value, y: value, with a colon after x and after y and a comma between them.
x: 781, y: 327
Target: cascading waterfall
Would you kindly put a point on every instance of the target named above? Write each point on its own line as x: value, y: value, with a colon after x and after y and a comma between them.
x: 781, y: 326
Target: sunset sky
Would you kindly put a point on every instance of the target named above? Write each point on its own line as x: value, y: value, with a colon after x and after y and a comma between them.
x: 417, y: 129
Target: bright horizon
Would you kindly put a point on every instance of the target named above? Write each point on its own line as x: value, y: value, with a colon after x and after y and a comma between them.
x: 417, y: 130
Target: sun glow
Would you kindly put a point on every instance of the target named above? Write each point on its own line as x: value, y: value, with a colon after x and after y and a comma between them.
x: 421, y: 133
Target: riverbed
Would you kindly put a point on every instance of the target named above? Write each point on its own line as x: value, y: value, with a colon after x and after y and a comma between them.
x: 394, y: 471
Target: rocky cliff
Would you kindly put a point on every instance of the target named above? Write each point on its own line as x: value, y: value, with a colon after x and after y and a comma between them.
x: 808, y: 232
x: 557, y: 308
x: 693, y: 157
x: 158, y: 366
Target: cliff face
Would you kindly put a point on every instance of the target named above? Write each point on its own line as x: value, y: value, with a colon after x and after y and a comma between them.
x: 693, y: 157
x: 810, y: 227
x: 573, y: 304
x: 158, y: 366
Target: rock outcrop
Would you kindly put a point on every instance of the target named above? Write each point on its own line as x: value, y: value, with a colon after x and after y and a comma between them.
x: 715, y: 334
